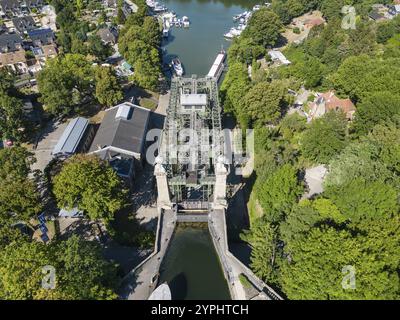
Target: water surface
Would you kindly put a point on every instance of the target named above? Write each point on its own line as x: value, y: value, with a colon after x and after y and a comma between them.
x: 197, y: 46
x: 191, y: 267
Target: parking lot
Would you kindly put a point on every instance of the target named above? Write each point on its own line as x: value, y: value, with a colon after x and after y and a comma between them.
x: 46, y: 143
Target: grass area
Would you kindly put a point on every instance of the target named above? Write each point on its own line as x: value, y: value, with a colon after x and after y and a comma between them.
x: 148, y: 103
x: 244, y: 281
x: 254, y: 208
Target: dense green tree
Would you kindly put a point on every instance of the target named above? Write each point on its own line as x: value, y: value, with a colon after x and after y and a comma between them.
x: 264, y: 254
x: 235, y: 86
x: 64, y: 83
x: 278, y: 192
x: 15, y: 162
x: 97, y: 48
x: 265, y: 102
x: 364, y: 200
x: 325, y: 137
x: 90, y: 184
x: 315, y: 273
x: 264, y: 28
x: 108, y: 91
x: 375, y: 108
x: 11, y: 117
x: 80, y: 271
x: 358, y: 160
x: 362, y: 75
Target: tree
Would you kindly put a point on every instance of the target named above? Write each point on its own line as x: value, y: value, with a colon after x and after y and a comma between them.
x: 108, y: 91
x: 314, y: 273
x: 11, y: 118
x: 265, y: 102
x: 80, y: 271
x: 235, y: 86
x: 357, y: 160
x: 64, y: 83
x: 15, y: 162
x: 263, y: 241
x: 19, y: 198
x: 364, y: 200
x: 377, y: 107
x: 264, y: 28
x: 279, y: 191
x: 97, y: 48
x: 91, y: 185
x: 325, y: 137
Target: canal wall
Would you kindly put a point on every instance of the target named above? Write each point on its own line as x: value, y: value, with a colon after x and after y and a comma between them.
x: 232, y: 266
x: 141, y: 281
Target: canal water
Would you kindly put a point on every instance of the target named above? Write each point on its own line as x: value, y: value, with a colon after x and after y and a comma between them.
x: 191, y: 267
x: 198, y: 45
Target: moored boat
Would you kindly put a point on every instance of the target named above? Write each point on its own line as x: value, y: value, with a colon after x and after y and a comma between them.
x: 178, y: 68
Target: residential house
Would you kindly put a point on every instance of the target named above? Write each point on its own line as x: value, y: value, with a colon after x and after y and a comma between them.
x: 10, y: 43
x: 108, y: 35
x: 376, y: 16
x: 41, y: 37
x: 16, y: 61
x: 394, y: 10
x: 43, y: 53
x: 24, y: 24
x: 121, y: 138
x: 10, y: 8
x: 278, y: 57
x: 329, y: 101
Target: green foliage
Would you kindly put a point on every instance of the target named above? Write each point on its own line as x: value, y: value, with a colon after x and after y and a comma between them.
x: 139, y: 43
x: 278, y: 191
x: 108, y: 91
x: 80, y: 270
x: 358, y: 160
x: 90, y: 184
x: 19, y: 199
x: 235, y: 86
x: 325, y: 137
x: 262, y: 239
x: 377, y: 200
x: 64, y: 83
x: 376, y: 108
x: 361, y: 76
x: 265, y: 102
x: 264, y: 28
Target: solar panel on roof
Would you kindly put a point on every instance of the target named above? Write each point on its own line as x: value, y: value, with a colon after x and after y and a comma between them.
x: 45, y: 238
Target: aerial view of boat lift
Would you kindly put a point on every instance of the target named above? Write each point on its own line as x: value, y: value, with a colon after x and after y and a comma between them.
x: 240, y: 20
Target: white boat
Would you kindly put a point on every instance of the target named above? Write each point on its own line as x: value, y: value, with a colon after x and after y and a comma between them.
x: 163, y: 292
x: 185, y: 21
x: 178, y: 68
x: 218, y: 66
x: 256, y: 7
x: 165, y: 32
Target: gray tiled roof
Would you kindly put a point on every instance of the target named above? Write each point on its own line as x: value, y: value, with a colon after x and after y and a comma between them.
x: 126, y: 134
x: 9, y: 41
x: 23, y: 24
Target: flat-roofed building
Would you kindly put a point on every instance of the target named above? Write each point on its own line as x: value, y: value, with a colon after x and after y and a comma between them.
x: 75, y: 138
x: 193, y: 102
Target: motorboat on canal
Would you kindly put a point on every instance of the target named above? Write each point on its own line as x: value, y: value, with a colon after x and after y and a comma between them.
x: 178, y: 68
